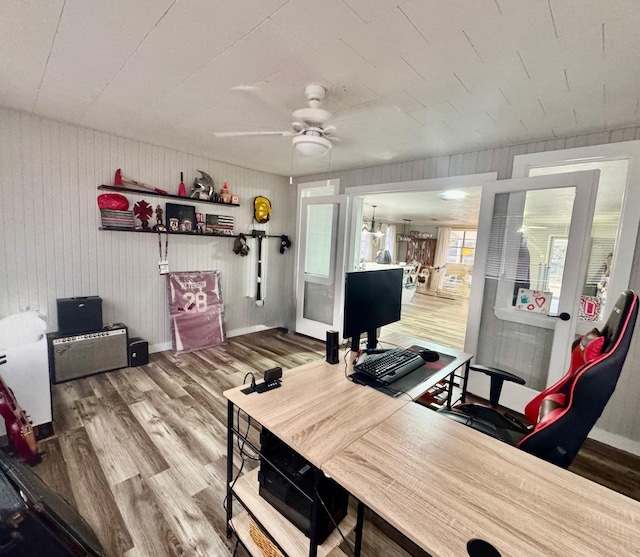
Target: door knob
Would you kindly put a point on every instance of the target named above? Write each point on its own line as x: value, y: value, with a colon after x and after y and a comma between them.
x: 564, y: 316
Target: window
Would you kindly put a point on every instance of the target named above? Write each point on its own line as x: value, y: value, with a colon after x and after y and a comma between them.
x: 615, y: 222
x: 462, y: 246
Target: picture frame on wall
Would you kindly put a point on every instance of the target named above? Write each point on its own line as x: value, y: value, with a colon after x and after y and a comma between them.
x: 180, y: 218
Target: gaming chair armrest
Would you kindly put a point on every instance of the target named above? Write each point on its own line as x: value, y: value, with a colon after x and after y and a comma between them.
x: 498, y: 377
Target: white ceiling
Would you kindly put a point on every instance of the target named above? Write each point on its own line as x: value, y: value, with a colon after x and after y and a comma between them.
x: 405, y: 79
x: 425, y: 208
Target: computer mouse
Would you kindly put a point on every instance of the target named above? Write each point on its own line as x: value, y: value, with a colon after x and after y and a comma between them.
x: 429, y: 355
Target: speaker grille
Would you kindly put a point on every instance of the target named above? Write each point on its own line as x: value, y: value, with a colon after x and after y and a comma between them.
x: 82, y: 355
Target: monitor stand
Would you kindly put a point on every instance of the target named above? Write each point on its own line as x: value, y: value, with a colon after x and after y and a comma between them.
x: 372, y: 341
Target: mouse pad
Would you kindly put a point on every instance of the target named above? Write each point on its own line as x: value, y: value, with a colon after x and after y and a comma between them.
x: 409, y: 381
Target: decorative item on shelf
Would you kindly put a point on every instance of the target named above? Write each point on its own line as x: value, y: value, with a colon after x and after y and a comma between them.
x: 159, y: 226
x: 117, y: 219
x: 235, y: 200
x: 405, y: 236
x: 219, y: 224
x: 121, y: 180
x: 180, y: 218
x: 200, y: 223
x: 113, y: 201
x: 182, y: 190
x: 225, y: 194
x: 143, y: 211
x: 203, y: 188
x: 261, y: 209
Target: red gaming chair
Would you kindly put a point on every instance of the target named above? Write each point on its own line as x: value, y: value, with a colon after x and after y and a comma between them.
x: 562, y: 416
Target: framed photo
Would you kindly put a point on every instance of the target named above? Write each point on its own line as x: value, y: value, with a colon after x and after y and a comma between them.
x: 219, y: 224
x: 180, y: 218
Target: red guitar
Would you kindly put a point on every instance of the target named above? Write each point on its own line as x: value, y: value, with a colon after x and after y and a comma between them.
x: 19, y: 429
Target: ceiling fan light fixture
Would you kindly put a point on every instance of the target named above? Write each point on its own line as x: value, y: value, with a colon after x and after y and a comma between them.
x: 311, y: 145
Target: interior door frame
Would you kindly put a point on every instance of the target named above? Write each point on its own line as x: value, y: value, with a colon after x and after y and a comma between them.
x: 303, y: 325
x: 426, y: 184
x: 586, y: 183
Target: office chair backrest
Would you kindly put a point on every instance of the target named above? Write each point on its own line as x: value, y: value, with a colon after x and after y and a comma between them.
x: 582, y: 394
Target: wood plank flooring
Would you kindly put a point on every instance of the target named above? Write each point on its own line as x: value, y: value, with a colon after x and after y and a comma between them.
x: 141, y: 452
x: 440, y: 319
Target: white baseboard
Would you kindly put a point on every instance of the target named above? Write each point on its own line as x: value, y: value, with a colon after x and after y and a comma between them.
x: 247, y: 330
x: 160, y: 347
x: 615, y: 440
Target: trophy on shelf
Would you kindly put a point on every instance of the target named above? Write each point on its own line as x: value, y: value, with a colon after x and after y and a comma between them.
x: 159, y: 226
x: 143, y: 211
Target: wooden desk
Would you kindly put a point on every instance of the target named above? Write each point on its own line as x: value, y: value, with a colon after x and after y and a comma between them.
x: 317, y: 411
x: 452, y: 484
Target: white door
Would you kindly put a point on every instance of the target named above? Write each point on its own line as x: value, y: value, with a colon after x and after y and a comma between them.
x: 320, y: 266
x: 533, y: 234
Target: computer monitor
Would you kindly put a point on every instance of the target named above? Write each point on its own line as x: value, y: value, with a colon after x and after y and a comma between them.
x: 372, y: 299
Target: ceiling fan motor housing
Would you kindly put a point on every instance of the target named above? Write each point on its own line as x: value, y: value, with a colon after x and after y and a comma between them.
x: 315, y: 94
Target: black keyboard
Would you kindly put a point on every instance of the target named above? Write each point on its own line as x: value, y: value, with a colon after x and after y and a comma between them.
x: 390, y: 365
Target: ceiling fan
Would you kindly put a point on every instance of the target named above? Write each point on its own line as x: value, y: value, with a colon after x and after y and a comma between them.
x: 311, y: 134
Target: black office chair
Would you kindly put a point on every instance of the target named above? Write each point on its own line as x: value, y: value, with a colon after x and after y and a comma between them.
x: 562, y: 416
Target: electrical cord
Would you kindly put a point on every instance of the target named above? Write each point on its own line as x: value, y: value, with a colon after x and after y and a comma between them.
x: 344, y: 539
x: 241, y: 441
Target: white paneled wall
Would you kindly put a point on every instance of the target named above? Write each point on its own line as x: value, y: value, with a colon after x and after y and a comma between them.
x: 50, y: 245
x: 621, y: 419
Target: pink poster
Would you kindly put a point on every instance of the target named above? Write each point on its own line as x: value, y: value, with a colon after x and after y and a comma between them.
x: 196, y: 310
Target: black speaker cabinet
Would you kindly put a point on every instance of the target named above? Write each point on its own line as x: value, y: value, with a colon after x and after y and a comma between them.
x: 71, y: 357
x: 79, y: 315
x: 138, y: 352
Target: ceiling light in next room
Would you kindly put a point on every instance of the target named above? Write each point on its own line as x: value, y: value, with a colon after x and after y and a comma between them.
x: 452, y: 195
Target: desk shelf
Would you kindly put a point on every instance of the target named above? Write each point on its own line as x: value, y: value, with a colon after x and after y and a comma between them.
x: 292, y: 540
x: 436, y: 397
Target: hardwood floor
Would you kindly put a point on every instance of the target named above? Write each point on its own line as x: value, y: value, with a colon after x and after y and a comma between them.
x: 440, y: 319
x: 141, y: 452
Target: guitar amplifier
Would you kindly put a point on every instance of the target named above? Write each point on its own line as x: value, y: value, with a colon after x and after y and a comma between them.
x: 71, y: 357
x: 79, y: 315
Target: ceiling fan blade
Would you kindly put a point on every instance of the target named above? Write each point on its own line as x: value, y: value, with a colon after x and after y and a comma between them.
x: 241, y: 134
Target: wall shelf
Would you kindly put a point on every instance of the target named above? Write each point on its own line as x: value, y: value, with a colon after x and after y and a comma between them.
x: 167, y: 195
x: 248, y: 235
x: 150, y: 230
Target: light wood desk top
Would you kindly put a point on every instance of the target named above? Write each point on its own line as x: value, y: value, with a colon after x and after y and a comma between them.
x: 317, y: 411
x: 452, y: 484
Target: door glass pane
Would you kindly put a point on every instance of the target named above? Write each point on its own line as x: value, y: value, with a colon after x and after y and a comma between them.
x: 319, y: 283
x: 525, y: 241
x: 606, y: 222
x: 318, y: 302
x: 320, y: 231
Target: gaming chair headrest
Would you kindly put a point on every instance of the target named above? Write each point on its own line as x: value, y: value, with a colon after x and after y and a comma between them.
x: 612, y: 328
